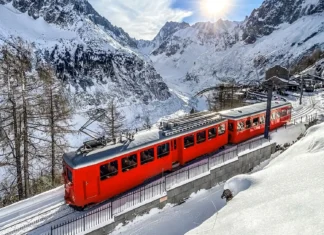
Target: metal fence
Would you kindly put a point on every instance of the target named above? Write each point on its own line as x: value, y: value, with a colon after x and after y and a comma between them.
x: 138, y: 196
x: 255, y: 143
x: 106, y: 213
x: 306, y: 118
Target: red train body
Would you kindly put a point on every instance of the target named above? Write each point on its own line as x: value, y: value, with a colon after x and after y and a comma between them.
x: 106, y: 172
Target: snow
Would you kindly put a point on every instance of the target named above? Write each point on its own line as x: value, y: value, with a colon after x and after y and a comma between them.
x: 14, y: 22
x: 238, y: 184
x: 176, y: 219
x: 280, y: 199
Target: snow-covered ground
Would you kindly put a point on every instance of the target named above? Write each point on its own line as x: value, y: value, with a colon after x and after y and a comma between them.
x: 284, y: 198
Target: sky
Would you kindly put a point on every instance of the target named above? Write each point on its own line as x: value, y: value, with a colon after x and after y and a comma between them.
x: 142, y: 19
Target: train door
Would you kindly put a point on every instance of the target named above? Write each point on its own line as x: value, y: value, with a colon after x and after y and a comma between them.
x: 175, y: 152
x: 90, y: 186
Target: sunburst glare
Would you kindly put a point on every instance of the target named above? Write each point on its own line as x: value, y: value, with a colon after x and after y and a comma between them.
x: 215, y: 8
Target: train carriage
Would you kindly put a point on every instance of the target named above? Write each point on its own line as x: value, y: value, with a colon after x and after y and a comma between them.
x: 95, y: 175
x: 102, y: 173
x: 249, y: 121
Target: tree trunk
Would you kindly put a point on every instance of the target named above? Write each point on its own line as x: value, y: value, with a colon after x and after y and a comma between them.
x: 25, y: 139
x: 17, y: 151
x: 52, y: 136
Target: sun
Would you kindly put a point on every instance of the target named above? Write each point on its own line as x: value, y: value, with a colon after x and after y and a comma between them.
x: 215, y: 7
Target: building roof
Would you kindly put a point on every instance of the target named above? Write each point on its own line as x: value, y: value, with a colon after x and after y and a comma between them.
x: 251, y: 109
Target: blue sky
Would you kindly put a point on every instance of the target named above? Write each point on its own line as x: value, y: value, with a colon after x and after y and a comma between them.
x: 143, y: 19
x: 237, y: 12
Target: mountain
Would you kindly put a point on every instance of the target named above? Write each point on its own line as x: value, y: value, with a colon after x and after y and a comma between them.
x: 96, y: 59
x: 164, y: 34
x: 272, y: 13
x: 204, y: 54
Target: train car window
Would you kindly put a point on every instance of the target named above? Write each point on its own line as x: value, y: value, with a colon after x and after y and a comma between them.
x: 230, y: 126
x: 189, y: 141
x: 283, y: 112
x: 289, y: 111
x: 273, y: 116
x: 211, y: 133
x: 248, y: 124
x: 69, y: 175
x: 147, y: 156
x: 129, y: 163
x: 175, y: 144
x: 277, y: 115
x: 221, y: 129
x: 163, y: 150
x: 108, y: 170
x: 262, y: 120
x: 255, y: 121
x: 201, y: 137
x: 240, y: 126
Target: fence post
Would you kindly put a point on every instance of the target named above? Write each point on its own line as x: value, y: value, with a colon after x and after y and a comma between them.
x: 188, y: 173
x: 208, y: 163
x: 84, y: 223
x: 51, y: 230
x: 111, y: 211
x: 165, y: 184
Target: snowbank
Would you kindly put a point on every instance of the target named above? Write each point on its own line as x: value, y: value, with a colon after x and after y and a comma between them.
x: 284, y: 198
x: 238, y: 184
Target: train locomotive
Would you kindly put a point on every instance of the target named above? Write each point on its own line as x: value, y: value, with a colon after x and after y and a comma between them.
x: 100, y: 173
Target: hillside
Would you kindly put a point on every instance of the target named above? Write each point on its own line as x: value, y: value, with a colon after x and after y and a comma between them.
x: 281, y: 199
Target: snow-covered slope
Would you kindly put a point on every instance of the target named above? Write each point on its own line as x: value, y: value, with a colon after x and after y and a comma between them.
x: 284, y: 198
x: 96, y: 59
x: 279, y: 32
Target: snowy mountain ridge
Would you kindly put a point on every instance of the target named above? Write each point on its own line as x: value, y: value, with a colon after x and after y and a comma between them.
x: 204, y: 54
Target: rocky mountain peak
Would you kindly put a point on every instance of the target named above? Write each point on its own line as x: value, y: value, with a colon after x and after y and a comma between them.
x: 265, y: 19
x: 168, y: 29
x: 66, y: 13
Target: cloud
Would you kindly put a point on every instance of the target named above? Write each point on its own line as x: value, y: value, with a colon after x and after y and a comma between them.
x: 141, y: 19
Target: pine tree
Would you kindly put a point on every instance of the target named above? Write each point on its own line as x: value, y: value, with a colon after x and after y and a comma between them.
x: 55, y: 116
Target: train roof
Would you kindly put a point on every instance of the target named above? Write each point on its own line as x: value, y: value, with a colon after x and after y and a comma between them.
x: 141, y: 139
x: 251, y: 109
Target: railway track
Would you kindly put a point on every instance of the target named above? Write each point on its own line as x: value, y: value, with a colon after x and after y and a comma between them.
x: 305, y: 110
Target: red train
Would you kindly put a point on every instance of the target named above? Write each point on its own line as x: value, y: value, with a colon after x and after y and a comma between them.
x: 97, y: 174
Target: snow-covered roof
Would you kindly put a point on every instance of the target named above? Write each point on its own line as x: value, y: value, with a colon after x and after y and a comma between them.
x: 142, y: 139
x: 251, y: 109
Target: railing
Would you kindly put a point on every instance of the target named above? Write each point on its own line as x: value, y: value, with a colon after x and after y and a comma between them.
x: 306, y: 118
x: 106, y: 213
